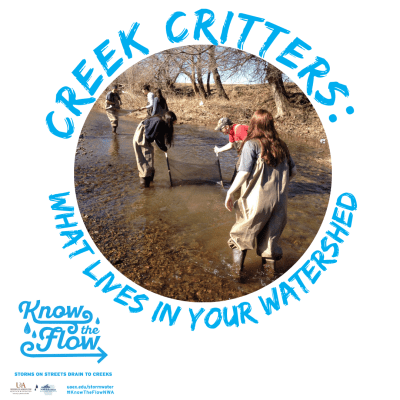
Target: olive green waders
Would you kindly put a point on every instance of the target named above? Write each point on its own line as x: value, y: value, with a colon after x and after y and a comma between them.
x: 144, y: 152
x: 261, y: 210
x: 112, y: 114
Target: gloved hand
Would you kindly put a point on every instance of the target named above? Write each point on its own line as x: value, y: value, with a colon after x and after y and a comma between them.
x: 216, y: 149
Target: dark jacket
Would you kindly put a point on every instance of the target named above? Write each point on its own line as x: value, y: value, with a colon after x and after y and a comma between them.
x: 114, y: 97
x: 154, y: 130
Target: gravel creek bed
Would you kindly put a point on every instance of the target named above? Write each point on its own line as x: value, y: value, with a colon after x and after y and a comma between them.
x: 173, y: 241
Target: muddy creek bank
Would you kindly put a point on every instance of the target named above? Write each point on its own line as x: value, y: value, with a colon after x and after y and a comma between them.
x: 173, y: 241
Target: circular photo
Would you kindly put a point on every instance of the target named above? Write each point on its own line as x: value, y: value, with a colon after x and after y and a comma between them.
x: 203, y: 173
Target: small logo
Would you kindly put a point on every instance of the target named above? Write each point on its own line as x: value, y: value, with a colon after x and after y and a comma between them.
x: 20, y: 388
x: 61, y: 332
x: 48, y: 389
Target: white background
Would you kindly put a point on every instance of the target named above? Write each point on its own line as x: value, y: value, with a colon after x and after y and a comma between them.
x: 339, y: 341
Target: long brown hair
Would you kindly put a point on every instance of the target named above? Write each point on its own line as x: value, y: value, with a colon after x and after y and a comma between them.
x: 161, y: 99
x: 169, y: 117
x: 273, y: 149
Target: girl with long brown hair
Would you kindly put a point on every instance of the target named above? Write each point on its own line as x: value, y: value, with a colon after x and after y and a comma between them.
x: 160, y: 106
x: 263, y: 176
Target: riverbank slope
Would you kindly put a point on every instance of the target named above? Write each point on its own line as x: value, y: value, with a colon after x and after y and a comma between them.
x: 243, y: 101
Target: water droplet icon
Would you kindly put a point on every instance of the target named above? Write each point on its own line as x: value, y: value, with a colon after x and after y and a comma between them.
x: 27, y: 328
x: 97, y: 321
x: 34, y: 334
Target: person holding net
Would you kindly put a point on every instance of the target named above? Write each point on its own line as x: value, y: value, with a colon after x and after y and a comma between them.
x: 261, y: 210
x: 150, y: 100
x: 237, y: 133
x: 158, y: 129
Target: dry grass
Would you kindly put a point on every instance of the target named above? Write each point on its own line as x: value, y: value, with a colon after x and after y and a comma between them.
x: 244, y: 100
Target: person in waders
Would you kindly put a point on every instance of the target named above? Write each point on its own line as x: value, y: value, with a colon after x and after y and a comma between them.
x: 237, y: 133
x: 113, y: 104
x: 159, y: 129
x: 261, y: 210
x: 150, y: 100
x: 159, y: 104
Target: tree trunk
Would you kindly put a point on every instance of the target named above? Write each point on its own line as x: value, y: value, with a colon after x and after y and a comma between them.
x: 217, y: 79
x: 200, y: 80
x: 208, y: 83
x: 170, y: 82
x: 274, y: 77
x: 193, y: 82
x: 193, y: 78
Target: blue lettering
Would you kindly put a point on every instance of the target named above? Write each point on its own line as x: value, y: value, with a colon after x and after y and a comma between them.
x: 72, y: 101
x: 58, y: 199
x: 286, y: 292
x: 270, y: 303
x: 128, y: 42
x: 55, y: 131
x: 245, y: 313
x: 332, y: 87
x: 216, y: 322
x: 137, y: 299
x: 235, y: 317
x: 123, y: 293
x: 276, y: 30
x: 204, y: 25
x: 314, y: 72
x: 84, y: 79
x: 225, y: 28
x: 195, y: 317
x: 183, y: 35
x: 249, y: 24
x: 291, y: 50
x: 108, y: 286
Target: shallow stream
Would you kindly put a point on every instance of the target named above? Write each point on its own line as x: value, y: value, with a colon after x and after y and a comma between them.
x: 173, y: 241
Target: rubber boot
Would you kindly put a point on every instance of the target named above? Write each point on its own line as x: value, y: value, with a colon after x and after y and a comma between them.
x: 152, y: 176
x: 238, y: 261
x: 144, y: 182
x: 268, y: 267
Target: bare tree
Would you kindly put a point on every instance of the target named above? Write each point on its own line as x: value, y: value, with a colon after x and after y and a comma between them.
x: 202, y: 91
x: 245, y: 66
x: 274, y: 77
x: 217, y: 79
x: 208, y: 83
x: 199, y: 62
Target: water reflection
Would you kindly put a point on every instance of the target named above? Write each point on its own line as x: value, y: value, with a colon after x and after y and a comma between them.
x: 173, y: 241
x: 114, y: 146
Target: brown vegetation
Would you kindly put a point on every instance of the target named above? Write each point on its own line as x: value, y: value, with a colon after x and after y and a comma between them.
x: 302, y: 122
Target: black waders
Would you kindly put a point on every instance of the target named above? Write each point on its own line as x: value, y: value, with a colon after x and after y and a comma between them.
x: 268, y: 267
x: 238, y: 261
x: 145, y: 182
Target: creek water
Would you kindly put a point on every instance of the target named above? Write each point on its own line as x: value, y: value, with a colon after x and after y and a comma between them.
x: 173, y: 240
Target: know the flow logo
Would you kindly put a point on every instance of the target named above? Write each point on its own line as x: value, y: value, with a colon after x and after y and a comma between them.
x: 60, y: 332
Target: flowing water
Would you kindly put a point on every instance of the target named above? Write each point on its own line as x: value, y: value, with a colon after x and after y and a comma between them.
x: 173, y: 240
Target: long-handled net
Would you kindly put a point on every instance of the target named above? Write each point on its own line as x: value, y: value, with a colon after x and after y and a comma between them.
x: 121, y: 112
x: 183, y: 173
